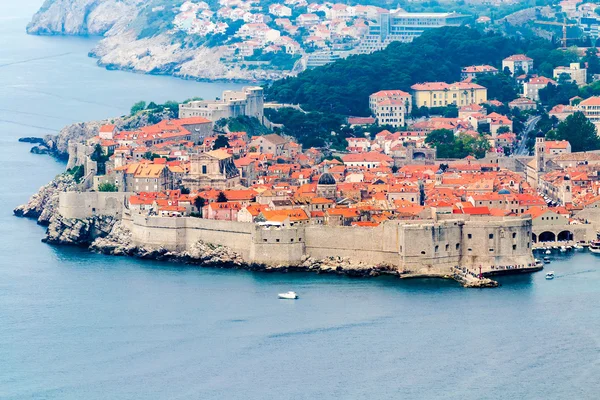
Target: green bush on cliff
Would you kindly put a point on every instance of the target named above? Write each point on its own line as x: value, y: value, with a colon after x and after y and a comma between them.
x: 107, y: 187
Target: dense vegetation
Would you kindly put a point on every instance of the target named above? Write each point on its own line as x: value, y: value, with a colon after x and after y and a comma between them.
x: 311, y: 129
x: 438, y: 55
x: 448, y: 145
x: 251, y: 125
x: 579, y: 131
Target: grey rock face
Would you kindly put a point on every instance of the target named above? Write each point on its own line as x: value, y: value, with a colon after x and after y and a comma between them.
x: 81, y: 17
x: 44, y: 204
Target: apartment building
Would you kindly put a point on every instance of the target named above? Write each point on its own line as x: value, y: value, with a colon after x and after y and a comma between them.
x: 518, y: 62
x: 575, y: 72
x: 475, y: 71
x: 531, y: 88
x: 591, y: 109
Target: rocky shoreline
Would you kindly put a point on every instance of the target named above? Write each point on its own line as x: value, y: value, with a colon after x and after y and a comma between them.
x: 107, y: 235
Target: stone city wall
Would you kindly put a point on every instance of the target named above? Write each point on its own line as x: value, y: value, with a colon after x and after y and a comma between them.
x: 81, y: 205
x: 418, y: 247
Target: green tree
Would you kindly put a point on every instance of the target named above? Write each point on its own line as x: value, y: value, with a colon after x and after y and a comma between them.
x: 564, y: 78
x: 221, y: 142
x: 137, y: 107
x: 499, y: 86
x: 221, y: 198
x: 592, y: 60
x: 199, y: 202
x: 107, y: 187
x: 580, y: 132
x: 150, y: 155
x: 448, y: 145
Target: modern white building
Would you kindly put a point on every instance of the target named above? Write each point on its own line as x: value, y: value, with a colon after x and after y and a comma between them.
x: 400, y: 26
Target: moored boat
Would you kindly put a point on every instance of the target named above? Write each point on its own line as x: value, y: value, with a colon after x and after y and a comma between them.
x: 546, y: 260
x: 595, y: 246
x: 288, y: 295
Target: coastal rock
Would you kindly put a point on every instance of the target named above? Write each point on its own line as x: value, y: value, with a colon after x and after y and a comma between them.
x: 161, y: 55
x: 41, y: 149
x: 44, y: 204
x: 78, y: 232
x: 32, y: 139
x: 81, y: 131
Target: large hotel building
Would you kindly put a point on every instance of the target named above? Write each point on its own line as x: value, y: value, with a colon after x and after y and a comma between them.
x: 399, y: 26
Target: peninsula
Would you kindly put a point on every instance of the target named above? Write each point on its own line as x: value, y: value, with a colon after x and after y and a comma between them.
x: 457, y: 179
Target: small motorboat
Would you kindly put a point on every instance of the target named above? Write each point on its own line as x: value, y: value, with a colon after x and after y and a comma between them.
x: 577, y: 247
x: 550, y: 275
x: 288, y: 295
x: 539, y: 263
x: 546, y: 260
x: 548, y: 252
x: 563, y: 249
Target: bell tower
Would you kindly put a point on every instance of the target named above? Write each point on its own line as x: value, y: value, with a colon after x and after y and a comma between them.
x: 540, y: 153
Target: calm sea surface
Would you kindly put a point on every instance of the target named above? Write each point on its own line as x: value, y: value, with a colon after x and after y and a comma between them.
x: 75, y: 325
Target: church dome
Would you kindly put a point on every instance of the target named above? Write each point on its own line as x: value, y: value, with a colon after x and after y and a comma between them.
x: 504, y: 191
x: 326, y: 179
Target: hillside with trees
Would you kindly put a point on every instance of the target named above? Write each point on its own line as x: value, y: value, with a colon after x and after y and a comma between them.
x: 438, y: 55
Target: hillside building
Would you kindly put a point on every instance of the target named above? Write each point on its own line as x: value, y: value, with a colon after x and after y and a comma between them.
x: 400, y: 26
x: 247, y: 102
x: 441, y: 94
x: 518, y: 63
x: 575, y: 72
x: 475, y: 71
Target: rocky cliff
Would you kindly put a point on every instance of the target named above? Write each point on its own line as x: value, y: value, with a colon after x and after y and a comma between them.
x: 77, y: 232
x: 82, y: 17
x: 44, y: 204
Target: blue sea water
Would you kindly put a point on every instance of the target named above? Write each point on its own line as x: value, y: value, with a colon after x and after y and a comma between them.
x: 75, y: 325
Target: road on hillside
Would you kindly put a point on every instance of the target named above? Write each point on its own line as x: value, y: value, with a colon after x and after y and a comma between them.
x: 521, y: 149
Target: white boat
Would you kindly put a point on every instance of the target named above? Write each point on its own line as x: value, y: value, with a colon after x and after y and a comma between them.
x: 546, y: 260
x: 577, y: 247
x: 288, y: 295
x: 539, y: 263
x: 595, y: 246
x: 563, y: 249
x: 548, y: 252
x: 550, y: 275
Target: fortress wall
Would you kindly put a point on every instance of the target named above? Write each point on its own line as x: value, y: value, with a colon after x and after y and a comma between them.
x: 361, y: 244
x: 273, y: 246
x: 492, y: 242
x: 235, y: 235
x: 427, y: 248
x: 81, y: 205
x: 181, y: 233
